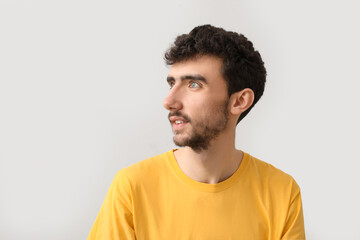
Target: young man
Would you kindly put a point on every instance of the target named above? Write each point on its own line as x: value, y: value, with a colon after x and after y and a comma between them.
x: 207, y: 189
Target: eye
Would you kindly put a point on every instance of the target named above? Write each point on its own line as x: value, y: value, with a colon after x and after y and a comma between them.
x: 193, y: 84
x: 171, y: 84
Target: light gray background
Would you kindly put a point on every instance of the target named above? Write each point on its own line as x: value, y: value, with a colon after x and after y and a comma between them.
x: 81, y: 87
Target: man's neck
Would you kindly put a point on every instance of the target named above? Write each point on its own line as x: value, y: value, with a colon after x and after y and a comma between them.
x: 216, y: 164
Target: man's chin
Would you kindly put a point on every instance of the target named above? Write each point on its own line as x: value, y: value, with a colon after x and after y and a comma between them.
x: 180, y: 142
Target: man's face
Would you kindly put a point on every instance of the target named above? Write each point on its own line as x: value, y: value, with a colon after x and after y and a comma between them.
x: 197, y: 102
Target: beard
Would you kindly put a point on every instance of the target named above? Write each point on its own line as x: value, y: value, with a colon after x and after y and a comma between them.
x: 205, y: 129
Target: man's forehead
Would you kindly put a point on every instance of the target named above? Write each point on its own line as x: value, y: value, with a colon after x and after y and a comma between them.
x: 206, y: 66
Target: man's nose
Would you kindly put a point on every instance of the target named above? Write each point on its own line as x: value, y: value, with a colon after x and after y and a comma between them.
x: 172, y: 101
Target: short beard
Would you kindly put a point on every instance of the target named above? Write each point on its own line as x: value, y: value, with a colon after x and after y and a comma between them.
x: 204, y: 133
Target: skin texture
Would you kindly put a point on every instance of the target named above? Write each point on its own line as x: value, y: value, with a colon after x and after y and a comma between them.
x: 198, y: 97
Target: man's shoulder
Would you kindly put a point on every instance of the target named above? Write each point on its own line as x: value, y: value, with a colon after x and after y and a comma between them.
x: 270, y: 174
x: 142, y: 169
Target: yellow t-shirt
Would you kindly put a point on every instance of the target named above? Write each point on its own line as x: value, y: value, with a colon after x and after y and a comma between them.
x: 154, y: 200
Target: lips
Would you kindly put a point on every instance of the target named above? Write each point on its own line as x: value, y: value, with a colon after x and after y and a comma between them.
x: 178, y: 117
x: 178, y: 121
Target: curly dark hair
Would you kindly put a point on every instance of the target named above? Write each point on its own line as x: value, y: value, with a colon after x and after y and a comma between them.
x: 242, y: 64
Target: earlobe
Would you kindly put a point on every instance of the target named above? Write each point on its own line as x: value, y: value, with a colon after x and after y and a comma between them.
x: 241, y: 101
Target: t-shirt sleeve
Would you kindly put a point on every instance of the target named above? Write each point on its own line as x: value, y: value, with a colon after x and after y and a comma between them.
x: 115, y: 219
x: 294, y: 227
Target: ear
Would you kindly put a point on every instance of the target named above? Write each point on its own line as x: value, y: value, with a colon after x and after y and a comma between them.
x: 241, y: 101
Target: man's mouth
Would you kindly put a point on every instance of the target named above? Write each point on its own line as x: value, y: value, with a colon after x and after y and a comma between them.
x: 177, y: 125
x: 177, y: 117
x: 177, y: 122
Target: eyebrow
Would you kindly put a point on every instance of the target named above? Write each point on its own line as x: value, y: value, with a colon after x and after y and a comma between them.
x: 196, y: 77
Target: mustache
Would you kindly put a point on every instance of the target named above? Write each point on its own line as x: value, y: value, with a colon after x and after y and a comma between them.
x: 179, y: 114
